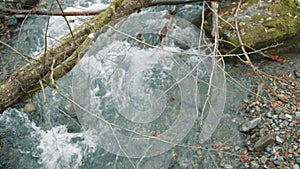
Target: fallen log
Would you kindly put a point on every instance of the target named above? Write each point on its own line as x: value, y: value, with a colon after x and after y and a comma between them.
x: 261, y: 24
x: 60, y: 58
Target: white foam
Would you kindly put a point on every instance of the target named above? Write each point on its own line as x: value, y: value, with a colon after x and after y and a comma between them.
x: 60, y: 150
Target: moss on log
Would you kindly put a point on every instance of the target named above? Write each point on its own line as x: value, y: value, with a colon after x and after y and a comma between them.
x: 261, y: 24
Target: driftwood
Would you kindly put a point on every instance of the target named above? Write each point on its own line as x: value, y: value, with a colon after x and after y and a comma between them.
x: 63, y: 55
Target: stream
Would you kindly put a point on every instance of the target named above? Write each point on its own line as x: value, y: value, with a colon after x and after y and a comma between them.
x: 128, y: 104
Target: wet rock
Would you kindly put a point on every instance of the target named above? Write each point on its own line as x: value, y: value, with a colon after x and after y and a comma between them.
x: 264, y: 141
x: 247, y: 126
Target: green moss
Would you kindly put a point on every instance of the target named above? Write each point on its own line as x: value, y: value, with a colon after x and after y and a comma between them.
x: 96, y: 22
x: 276, y: 24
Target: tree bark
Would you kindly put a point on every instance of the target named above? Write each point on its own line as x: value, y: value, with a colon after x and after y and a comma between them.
x: 63, y: 55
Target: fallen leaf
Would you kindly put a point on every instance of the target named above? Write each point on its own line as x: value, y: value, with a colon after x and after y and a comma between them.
x: 243, y: 157
x: 243, y: 107
x: 155, y: 134
x: 171, y: 99
x: 175, y: 156
x: 217, y: 145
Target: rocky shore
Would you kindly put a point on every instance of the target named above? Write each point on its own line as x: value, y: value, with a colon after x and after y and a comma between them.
x: 271, y: 127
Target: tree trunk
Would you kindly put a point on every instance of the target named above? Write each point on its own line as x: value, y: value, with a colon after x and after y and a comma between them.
x: 63, y: 55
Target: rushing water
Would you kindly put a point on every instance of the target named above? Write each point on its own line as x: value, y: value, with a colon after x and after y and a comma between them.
x: 128, y: 105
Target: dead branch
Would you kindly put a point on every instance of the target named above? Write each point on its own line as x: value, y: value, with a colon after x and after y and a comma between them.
x: 34, y: 11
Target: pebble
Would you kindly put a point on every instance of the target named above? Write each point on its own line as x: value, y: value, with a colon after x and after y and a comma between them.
x: 281, y: 116
x: 263, y: 159
x: 257, y: 108
x: 254, y: 164
x: 288, y: 116
x: 246, y: 101
x: 279, y: 140
x: 237, y: 148
x: 297, y: 115
x: 297, y: 73
x: 228, y: 166
x: 247, y: 126
x: 269, y: 115
x: 277, y: 135
x: 297, y: 160
x: 279, y: 160
x: 278, y: 110
x: 264, y: 141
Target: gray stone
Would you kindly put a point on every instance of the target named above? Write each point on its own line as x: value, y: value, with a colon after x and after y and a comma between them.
x: 281, y: 116
x: 275, y: 116
x: 278, y: 110
x: 264, y: 141
x: 246, y: 101
x: 263, y: 159
x: 257, y: 108
x: 277, y: 148
x: 280, y: 158
x: 297, y: 73
x: 288, y: 116
x: 227, y: 166
x: 279, y: 140
x: 297, y: 160
x: 297, y: 114
x: 254, y: 164
x: 269, y: 115
x: 277, y: 162
x: 296, y: 166
x: 247, y: 126
x: 237, y: 148
x: 262, y: 131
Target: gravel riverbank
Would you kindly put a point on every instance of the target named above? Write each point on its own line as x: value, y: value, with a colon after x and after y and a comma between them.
x: 271, y: 114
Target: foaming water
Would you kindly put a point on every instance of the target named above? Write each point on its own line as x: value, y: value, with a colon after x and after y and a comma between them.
x: 54, y: 148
